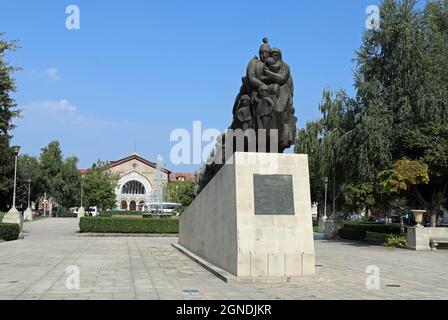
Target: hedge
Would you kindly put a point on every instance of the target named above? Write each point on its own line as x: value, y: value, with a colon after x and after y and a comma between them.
x: 352, y: 234
x: 120, y: 213
x: 9, y: 231
x: 123, y: 225
x: 374, y: 227
x: 67, y: 214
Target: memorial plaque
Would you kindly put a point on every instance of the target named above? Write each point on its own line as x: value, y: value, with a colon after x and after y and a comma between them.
x: 273, y: 194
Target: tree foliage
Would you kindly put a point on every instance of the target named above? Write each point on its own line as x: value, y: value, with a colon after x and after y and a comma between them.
x: 99, y: 186
x: 8, y: 112
x: 399, y: 112
x: 180, y: 192
x: 358, y: 197
x: 403, y: 175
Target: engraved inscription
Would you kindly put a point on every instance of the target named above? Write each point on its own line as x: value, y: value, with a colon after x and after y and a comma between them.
x: 273, y: 194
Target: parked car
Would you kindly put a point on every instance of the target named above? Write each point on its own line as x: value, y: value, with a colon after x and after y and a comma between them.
x: 93, y: 211
x: 443, y: 221
x: 408, y: 218
x: 380, y: 220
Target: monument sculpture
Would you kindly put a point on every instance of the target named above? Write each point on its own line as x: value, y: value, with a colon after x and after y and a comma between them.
x: 263, y: 112
x: 251, y: 219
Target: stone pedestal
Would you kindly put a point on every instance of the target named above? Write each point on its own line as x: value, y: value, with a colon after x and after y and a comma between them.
x: 419, y: 237
x: 28, y: 215
x: 253, y: 219
x: 332, y: 226
x: 81, y: 212
x: 321, y: 225
x: 13, y: 216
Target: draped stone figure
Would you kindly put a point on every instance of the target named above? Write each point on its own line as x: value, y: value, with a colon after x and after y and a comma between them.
x: 263, y: 111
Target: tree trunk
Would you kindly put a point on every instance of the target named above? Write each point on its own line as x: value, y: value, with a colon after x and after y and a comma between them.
x: 433, y: 218
x: 401, y: 223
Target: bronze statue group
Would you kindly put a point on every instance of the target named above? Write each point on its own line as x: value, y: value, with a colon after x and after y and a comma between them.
x: 263, y: 112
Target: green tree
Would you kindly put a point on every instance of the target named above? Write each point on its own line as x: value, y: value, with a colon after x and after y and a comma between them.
x: 71, y: 190
x: 309, y: 142
x: 51, y: 164
x: 99, y: 186
x: 398, y: 181
x: 358, y: 197
x: 28, y: 169
x: 429, y: 145
x: 8, y: 112
x: 400, y: 109
x: 59, y: 178
x: 326, y: 141
x: 180, y: 192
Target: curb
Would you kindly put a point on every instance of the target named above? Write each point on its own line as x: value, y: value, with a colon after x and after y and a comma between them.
x: 123, y: 235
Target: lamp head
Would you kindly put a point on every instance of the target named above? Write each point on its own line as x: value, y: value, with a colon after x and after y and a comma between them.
x: 16, y: 150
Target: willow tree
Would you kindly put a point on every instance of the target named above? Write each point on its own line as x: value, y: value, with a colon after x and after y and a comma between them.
x: 400, y: 109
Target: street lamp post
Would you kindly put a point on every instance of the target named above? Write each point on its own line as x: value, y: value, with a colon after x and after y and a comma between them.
x: 29, y: 193
x: 323, y: 219
x: 28, y: 215
x: 13, y: 215
x: 45, y: 204
x: 16, y: 150
x: 325, y: 207
x: 81, y: 211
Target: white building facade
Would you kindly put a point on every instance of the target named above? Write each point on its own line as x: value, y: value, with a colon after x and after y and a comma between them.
x: 136, y: 181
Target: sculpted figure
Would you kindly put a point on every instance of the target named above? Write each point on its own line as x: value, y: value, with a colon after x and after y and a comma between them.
x: 243, y: 115
x: 265, y: 101
x: 264, y: 108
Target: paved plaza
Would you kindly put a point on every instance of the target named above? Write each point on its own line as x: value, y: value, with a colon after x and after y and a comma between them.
x: 150, y: 268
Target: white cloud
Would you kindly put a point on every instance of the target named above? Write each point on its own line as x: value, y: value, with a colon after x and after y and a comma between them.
x: 48, y: 106
x: 63, y: 112
x: 53, y: 73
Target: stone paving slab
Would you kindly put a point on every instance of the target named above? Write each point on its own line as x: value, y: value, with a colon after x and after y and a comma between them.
x: 129, y: 268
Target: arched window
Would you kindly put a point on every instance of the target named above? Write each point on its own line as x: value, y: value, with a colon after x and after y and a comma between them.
x: 124, y: 205
x: 133, y: 187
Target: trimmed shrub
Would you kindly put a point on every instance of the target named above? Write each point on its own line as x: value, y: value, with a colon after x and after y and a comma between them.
x: 374, y: 227
x: 120, y: 213
x: 399, y: 241
x: 65, y: 213
x: 352, y: 234
x: 123, y: 225
x: 106, y: 214
x: 9, y: 231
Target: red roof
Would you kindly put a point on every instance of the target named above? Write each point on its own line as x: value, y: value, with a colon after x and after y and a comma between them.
x: 136, y: 157
x: 172, y: 176
x: 175, y: 176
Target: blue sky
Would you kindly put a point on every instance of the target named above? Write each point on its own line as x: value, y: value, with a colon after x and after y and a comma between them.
x: 136, y: 70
